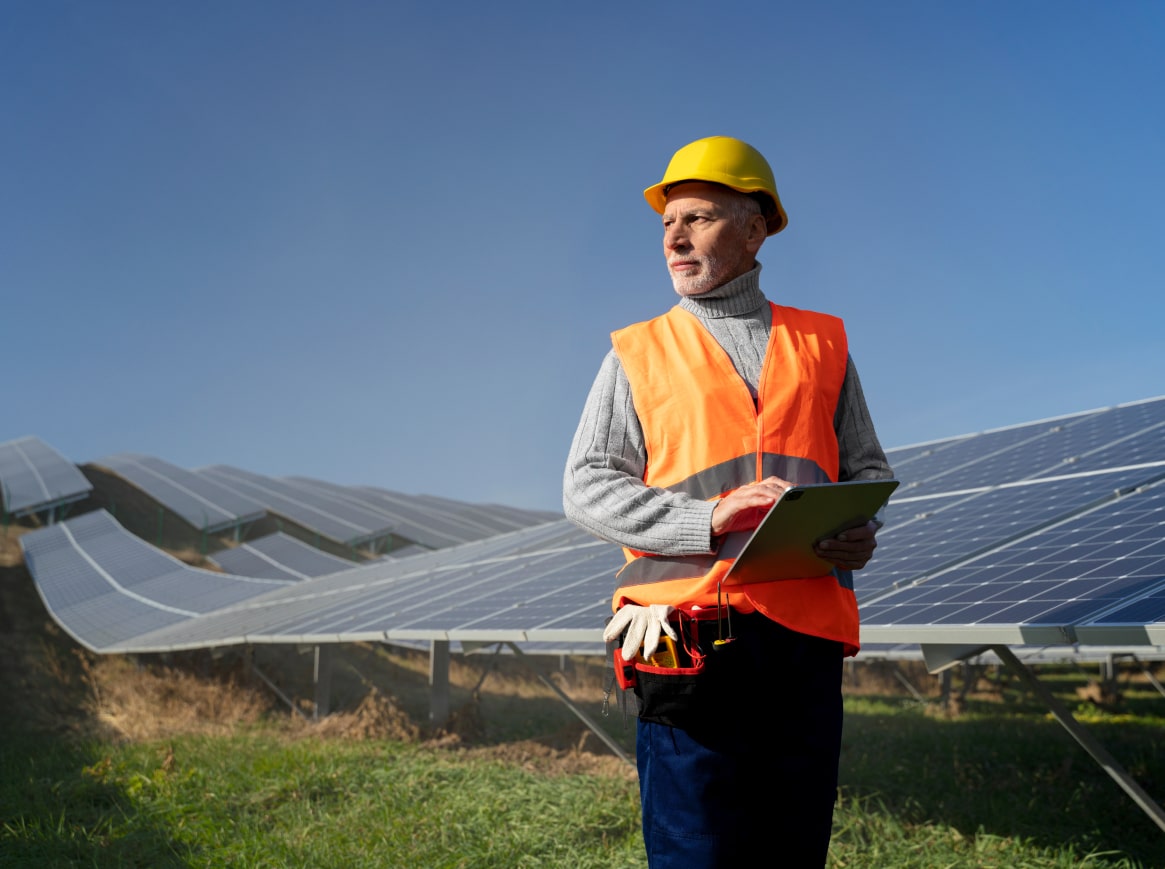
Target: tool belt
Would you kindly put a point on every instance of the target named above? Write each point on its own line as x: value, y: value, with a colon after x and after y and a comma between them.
x: 683, y: 684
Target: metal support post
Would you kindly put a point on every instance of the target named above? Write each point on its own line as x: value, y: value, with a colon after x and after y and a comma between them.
x: 1098, y: 752
x: 323, y: 681
x: 438, y: 682
x: 1148, y: 675
x: 591, y: 724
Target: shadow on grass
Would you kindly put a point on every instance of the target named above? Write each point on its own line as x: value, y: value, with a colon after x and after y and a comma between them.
x: 53, y: 813
x: 1008, y: 775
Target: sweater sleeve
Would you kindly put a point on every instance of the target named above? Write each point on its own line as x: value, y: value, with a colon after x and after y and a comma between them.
x: 603, y: 489
x: 860, y: 453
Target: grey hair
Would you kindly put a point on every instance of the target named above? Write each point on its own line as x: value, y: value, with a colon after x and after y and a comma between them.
x: 742, y: 208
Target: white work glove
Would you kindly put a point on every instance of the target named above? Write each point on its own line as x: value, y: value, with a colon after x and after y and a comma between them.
x: 643, y: 624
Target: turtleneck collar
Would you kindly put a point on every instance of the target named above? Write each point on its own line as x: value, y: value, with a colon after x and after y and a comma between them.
x: 736, y: 298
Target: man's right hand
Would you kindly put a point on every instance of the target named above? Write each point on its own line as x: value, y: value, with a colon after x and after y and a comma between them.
x: 743, y: 509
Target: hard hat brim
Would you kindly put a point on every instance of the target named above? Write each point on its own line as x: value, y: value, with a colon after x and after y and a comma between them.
x: 656, y: 196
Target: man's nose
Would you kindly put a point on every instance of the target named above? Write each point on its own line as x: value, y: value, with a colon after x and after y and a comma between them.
x: 674, y: 238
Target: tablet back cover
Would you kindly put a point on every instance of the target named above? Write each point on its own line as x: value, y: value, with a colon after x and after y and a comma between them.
x: 781, y: 547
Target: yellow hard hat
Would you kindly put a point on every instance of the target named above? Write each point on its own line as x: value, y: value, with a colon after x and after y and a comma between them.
x: 727, y: 161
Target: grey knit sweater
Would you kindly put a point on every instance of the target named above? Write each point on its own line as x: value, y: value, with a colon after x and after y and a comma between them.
x: 603, y: 489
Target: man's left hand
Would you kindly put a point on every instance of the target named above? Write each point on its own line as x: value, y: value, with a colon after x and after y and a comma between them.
x: 849, y: 550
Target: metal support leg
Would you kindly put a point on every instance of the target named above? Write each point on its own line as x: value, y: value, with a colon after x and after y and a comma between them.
x: 438, y: 682
x: 591, y: 724
x: 1098, y: 752
x: 323, y: 681
x: 1148, y: 675
x: 901, y: 677
x: 266, y: 680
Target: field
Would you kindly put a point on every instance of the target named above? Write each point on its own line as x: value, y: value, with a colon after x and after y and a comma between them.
x: 193, y: 761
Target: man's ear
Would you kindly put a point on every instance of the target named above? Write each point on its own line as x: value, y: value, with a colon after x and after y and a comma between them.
x: 758, y: 231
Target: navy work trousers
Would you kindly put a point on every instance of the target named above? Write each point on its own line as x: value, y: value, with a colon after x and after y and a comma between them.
x: 758, y: 782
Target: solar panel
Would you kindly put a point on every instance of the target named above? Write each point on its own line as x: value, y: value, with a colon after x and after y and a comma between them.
x: 1039, y: 588
x: 279, y: 556
x: 409, y: 517
x: 330, y: 517
x: 34, y: 477
x: 405, y: 551
x: 926, y: 535
x: 114, y: 592
x: 105, y: 586
x: 1021, y: 557
x: 203, y: 502
x: 497, y: 517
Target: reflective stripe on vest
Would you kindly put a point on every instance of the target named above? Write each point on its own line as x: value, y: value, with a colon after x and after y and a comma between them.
x: 705, y: 437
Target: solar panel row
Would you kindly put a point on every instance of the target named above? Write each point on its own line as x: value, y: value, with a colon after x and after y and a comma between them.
x: 279, y: 556
x: 357, y: 516
x: 105, y: 586
x: 204, y: 503
x: 1018, y: 551
x: 115, y: 593
x: 1037, y: 534
x: 34, y: 477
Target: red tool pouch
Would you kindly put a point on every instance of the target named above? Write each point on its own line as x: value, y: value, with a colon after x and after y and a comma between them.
x: 624, y: 671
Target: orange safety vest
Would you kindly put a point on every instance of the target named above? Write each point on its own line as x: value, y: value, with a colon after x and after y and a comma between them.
x: 705, y: 437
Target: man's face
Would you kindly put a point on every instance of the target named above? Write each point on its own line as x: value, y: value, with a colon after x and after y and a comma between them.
x: 705, y: 247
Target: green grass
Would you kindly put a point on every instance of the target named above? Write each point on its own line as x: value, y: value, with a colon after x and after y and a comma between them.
x: 1000, y: 786
x: 251, y: 801
x: 996, y: 788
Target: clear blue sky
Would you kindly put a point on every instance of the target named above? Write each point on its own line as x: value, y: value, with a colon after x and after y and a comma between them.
x: 384, y: 243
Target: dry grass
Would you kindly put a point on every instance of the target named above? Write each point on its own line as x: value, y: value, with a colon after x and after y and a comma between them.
x: 149, y: 703
x: 379, y: 692
x: 377, y: 717
x: 10, y: 554
x: 137, y: 702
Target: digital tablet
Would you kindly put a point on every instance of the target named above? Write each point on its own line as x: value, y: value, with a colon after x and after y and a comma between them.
x: 781, y: 547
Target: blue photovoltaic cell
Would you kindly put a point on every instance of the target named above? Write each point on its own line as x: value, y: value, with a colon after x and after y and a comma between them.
x: 927, y: 535
x: 1148, y: 609
x: 994, y: 457
x: 1062, y: 576
x: 1099, y: 440
x: 1140, y: 449
x: 913, y: 462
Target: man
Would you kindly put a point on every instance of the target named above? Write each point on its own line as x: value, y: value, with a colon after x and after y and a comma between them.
x: 696, y: 423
